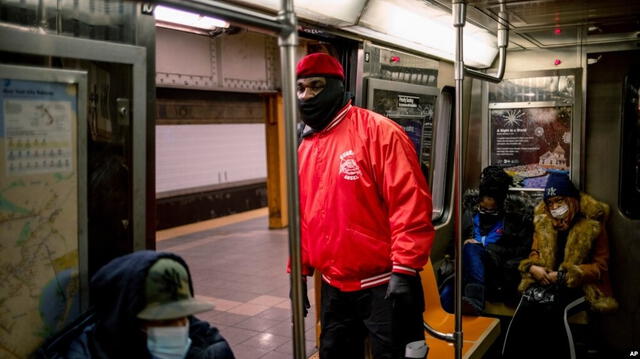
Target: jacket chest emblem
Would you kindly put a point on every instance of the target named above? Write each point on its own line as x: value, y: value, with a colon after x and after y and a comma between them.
x: 349, y: 168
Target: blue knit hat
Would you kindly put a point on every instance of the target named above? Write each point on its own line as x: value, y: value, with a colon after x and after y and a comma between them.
x: 559, y: 184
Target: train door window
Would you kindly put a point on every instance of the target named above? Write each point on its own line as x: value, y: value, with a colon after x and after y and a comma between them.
x: 630, y: 156
x: 442, y: 141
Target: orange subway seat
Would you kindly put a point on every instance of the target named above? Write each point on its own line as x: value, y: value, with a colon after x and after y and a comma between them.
x: 479, y: 333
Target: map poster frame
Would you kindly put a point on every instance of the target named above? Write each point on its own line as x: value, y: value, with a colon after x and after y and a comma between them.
x: 43, y: 142
x: 531, y: 139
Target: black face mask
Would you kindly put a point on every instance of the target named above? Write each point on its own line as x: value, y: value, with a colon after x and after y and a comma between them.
x: 319, y: 110
x: 487, y: 221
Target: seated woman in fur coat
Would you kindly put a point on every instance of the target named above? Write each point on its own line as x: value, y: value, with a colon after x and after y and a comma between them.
x: 570, y: 253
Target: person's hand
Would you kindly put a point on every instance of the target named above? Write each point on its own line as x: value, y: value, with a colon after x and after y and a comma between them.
x: 306, y: 305
x: 540, y: 274
x: 399, y: 285
x: 471, y: 240
x: 553, y: 276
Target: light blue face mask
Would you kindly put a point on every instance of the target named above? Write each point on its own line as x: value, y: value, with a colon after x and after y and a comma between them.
x: 168, y: 342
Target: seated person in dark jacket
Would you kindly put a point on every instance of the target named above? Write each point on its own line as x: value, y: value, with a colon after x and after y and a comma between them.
x: 144, y: 308
x: 497, y: 238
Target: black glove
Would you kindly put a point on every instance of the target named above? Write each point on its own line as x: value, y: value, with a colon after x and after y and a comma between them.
x: 407, y: 304
x: 305, y: 298
x: 400, y: 285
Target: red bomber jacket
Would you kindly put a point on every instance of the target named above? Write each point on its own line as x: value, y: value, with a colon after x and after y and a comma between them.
x: 365, y: 205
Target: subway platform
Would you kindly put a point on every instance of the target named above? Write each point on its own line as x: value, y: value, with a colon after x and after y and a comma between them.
x: 239, y: 265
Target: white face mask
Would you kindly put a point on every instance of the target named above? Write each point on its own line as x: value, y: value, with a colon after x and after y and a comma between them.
x: 168, y: 342
x: 560, y: 212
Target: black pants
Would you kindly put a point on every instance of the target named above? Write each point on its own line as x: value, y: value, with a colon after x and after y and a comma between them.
x: 539, y: 330
x: 347, y: 318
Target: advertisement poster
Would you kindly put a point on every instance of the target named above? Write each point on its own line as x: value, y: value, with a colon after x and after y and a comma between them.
x: 414, y: 112
x: 531, y: 142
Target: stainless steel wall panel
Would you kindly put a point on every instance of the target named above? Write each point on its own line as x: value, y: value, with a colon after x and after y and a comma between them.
x: 544, y: 59
x: 388, y: 64
x: 605, y: 80
x: 111, y: 20
x: 145, y: 36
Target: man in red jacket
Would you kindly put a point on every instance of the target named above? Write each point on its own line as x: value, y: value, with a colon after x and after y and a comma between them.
x: 365, y: 213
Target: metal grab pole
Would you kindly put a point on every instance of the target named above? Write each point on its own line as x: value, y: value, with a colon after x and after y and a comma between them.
x: 459, y: 18
x: 459, y: 8
x: 503, y: 42
x: 288, y: 42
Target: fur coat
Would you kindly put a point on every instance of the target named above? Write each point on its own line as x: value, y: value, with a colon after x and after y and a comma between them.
x: 586, y: 253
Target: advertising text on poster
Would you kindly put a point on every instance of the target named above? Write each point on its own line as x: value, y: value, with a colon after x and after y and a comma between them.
x: 531, y: 142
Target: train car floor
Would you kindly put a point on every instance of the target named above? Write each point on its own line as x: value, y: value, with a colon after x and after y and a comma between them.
x: 239, y: 265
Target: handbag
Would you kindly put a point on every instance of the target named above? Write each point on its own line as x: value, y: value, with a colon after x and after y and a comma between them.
x: 445, y: 270
x: 539, y: 294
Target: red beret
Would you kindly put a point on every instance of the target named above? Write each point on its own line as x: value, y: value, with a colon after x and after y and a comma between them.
x: 319, y: 64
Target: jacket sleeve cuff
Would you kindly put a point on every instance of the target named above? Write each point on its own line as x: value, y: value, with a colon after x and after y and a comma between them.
x: 574, y: 276
x: 305, y: 270
x: 526, y: 264
x: 398, y: 268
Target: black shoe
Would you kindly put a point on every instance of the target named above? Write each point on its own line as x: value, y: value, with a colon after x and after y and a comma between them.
x: 471, y: 307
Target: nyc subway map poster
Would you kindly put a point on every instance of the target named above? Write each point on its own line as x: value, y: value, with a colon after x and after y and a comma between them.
x: 39, y: 283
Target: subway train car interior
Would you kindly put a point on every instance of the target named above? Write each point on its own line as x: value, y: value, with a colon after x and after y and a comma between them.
x: 177, y: 126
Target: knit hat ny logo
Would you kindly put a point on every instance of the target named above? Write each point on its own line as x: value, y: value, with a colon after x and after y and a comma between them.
x: 171, y: 283
x: 551, y: 192
x: 349, y: 168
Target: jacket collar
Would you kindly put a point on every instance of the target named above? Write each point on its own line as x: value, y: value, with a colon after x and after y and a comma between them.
x: 308, y: 131
x: 338, y: 118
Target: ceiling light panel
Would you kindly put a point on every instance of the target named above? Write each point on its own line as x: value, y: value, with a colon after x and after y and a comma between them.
x: 330, y: 12
x: 189, y: 19
x: 417, y: 22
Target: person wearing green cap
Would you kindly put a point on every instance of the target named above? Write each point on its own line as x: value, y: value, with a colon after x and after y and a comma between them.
x: 143, y: 307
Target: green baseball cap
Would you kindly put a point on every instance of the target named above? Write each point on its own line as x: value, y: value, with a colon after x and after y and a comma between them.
x: 167, y: 292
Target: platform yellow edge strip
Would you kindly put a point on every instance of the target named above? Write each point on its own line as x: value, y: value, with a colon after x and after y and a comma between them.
x: 210, y: 224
